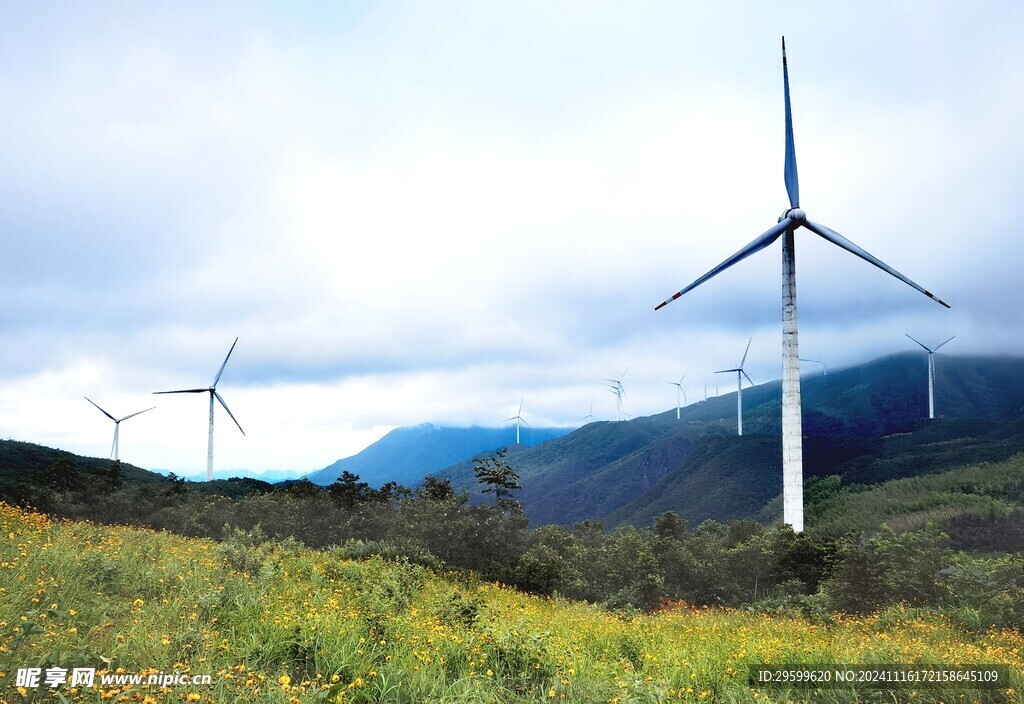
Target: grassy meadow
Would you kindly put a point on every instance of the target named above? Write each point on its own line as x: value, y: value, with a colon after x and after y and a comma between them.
x: 279, y: 623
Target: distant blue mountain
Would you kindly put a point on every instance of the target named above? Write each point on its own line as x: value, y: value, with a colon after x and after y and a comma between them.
x: 406, y: 454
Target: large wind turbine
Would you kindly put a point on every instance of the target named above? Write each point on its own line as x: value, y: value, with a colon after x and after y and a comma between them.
x: 117, y: 423
x: 616, y: 387
x: 790, y: 221
x: 740, y: 373
x: 518, y: 418
x: 212, y: 389
x: 931, y: 374
x: 679, y: 390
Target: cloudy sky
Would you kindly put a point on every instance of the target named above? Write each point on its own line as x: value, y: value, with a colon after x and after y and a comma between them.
x: 412, y: 212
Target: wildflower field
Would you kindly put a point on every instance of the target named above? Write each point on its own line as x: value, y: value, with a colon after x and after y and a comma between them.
x: 280, y: 623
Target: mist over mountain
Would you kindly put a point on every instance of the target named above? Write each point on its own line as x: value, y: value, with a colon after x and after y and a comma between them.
x: 406, y: 454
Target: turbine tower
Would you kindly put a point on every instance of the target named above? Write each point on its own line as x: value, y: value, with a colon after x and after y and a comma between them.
x: 616, y: 387
x: 212, y: 389
x: 518, y: 418
x: 791, y: 220
x: 740, y: 373
x: 679, y: 390
x: 117, y: 424
x: 931, y: 375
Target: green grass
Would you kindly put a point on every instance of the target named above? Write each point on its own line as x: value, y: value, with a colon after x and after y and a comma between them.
x: 278, y: 623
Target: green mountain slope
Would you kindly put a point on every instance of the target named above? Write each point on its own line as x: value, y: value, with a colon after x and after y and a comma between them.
x: 864, y: 423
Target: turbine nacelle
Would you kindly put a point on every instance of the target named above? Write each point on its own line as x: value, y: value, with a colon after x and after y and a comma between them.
x: 797, y: 215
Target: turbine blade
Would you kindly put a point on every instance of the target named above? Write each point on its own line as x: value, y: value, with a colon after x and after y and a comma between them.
x: 726, y: 371
x: 228, y: 410
x: 748, y: 378
x: 221, y: 370
x: 523, y: 421
x: 137, y: 413
x: 683, y: 376
x: 920, y: 343
x: 792, y: 182
x: 756, y: 246
x: 745, y: 353
x: 508, y: 419
x: 101, y: 410
x: 183, y: 391
x: 837, y: 239
x: 937, y: 348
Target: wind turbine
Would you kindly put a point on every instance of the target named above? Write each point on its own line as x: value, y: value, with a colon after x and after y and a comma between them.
x: 212, y: 389
x: 589, y: 416
x: 789, y: 222
x: 518, y: 417
x: 740, y: 373
x: 616, y: 387
x: 931, y: 375
x: 117, y: 423
x: 679, y: 390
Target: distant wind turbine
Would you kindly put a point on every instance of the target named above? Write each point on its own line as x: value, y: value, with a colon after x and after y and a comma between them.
x: 931, y: 375
x: 117, y: 424
x: 789, y: 222
x: 589, y: 416
x: 679, y: 390
x: 212, y: 389
x: 518, y: 418
x: 740, y: 373
x: 616, y: 387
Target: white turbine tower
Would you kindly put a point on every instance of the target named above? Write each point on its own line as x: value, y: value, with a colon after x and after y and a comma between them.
x: 679, y: 391
x: 117, y: 424
x: 740, y: 373
x: 931, y: 374
x: 518, y: 418
x: 616, y: 387
x: 212, y: 389
x: 791, y: 220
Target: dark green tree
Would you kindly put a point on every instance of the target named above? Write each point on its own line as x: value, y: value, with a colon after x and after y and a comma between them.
x: 62, y: 475
x: 348, y: 491
x: 114, y: 474
x: 436, y: 488
x: 498, y: 478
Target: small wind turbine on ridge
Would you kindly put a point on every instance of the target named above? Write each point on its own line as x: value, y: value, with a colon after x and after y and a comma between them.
x: 740, y: 373
x: 789, y: 222
x: 616, y: 387
x: 931, y: 374
x: 117, y: 424
x: 679, y: 390
x: 212, y: 389
x: 589, y: 416
x: 518, y: 418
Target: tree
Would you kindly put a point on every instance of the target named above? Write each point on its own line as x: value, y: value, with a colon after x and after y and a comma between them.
x: 62, y: 475
x: 436, y: 488
x: 114, y: 474
x: 498, y: 478
x: 348, y: 491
